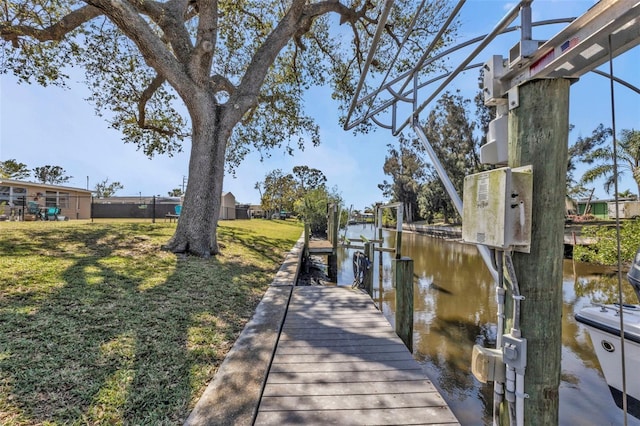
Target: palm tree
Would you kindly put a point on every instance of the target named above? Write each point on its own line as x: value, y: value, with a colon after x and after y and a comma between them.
x: 628, y: 160
x: 627, y: 194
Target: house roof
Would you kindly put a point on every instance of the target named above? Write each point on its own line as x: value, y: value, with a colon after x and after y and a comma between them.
x: 45, y: 186
x: 611, y: 200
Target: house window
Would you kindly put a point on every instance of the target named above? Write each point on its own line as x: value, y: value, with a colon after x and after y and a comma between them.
x: 5, y: 194
x: 18, y: 195
x: 57, y: 199
x: 63, y: 200
x: 12, y: 194
x: 51, y: 199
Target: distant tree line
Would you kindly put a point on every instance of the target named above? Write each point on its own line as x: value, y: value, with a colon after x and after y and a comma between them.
x: 302, y: 193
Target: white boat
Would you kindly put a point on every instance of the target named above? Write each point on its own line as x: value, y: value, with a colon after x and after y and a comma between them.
x: 603, y: 324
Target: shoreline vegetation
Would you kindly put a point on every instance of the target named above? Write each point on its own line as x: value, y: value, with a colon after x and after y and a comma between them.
x: 98, y: 325
x: 602, y: 252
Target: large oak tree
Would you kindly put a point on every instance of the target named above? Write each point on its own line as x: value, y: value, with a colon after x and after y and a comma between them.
x: 240, y: 68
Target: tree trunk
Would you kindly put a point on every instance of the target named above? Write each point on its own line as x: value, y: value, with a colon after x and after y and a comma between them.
x: 196, y: 229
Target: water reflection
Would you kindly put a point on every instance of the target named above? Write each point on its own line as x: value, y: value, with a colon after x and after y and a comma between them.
x: 455, y: 308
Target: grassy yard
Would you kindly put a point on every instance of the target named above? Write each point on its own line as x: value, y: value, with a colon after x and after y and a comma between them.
x: 99, y: 326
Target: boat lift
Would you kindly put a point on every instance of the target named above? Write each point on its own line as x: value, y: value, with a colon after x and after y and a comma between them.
x: 608, y: 29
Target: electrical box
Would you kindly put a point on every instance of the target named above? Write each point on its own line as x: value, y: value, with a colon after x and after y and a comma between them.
x: 514, y: 351
x: 495, y: 150
x: 492, y: 88
x: 496, y: 210
x: 487, y: 365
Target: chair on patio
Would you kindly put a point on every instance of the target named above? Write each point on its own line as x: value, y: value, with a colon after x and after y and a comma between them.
x: 52, y: 213
x: 34, y: 209
x: 174, y: 216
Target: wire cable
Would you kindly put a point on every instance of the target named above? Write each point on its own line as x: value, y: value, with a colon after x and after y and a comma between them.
x: 615, y: 183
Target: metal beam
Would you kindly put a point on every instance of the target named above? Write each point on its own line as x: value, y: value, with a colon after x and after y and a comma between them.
x: 394, y: 100
x: 582, y: 45
x: 451, y: 190
x: 384, y: 15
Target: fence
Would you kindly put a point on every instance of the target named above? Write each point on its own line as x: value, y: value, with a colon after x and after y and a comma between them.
x: 86, y: 207
x: 141, y: 208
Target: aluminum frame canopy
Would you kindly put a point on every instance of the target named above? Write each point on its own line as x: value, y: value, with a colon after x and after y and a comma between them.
x: 579, y: 48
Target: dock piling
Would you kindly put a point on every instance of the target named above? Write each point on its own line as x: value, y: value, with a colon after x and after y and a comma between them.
x: 403, y: 268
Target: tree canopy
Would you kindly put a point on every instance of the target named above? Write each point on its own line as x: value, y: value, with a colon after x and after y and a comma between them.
x: 11, y: 169
x: 450, y: 131
x: 280, y: 191
x: 51, y: 174
x: 407, y: 171
x: 600, y: 157
x: 105, y: 189
x: 239, y: 67
x: 283, y: 192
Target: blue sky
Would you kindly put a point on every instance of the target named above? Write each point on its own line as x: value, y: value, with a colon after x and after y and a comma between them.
x: 40, y: 126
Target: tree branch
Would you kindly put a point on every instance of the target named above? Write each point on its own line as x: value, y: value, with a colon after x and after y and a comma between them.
x: 127, y: 18
x: 144, y: 98
x: 293, y: 25
x: 55, y: 32
x: 222, y: 84
x: 247, y: 95
x: 206, y: 39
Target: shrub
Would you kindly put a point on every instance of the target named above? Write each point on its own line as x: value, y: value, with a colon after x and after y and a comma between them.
x: 604, y: 251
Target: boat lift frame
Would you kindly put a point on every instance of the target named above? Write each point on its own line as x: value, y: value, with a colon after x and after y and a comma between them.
x: 553, y: 59
x: 608, y: 29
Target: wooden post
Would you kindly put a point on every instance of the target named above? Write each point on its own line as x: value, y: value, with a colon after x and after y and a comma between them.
x: 399, y: 218
x: 403, y: 268
x: 368, y: 274
x: 305, y: 253
x: 153, y: 220
x: 329, y: 221
x: 332, y: 231
x: 380, y: 268
x: 538, y: 135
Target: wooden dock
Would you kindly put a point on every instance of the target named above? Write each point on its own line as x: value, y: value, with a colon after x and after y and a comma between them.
x: 338, y: 361
x: 320, y: 247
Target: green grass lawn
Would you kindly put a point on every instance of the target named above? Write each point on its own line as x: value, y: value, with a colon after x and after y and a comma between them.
x: 100, y: 326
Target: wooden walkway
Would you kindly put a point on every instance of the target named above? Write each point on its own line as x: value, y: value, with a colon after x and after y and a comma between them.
x: 338, y: 361
x: 320, y: 247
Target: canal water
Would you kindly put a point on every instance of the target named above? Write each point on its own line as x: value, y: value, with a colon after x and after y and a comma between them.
x: 455, y: 308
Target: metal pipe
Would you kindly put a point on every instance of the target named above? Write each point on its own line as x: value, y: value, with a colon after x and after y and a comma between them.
x: 404, y: 40
x: 617, y: 80
x: 525, y: 21
x: 384, y: 15
x: 463, y: 45
x: 508, y: 18
x: 453, y: 194
x: 349, y: 126
x: 519, y: 398
x: 498, y: 387
x: 433, y: 44
x: 623, y: 371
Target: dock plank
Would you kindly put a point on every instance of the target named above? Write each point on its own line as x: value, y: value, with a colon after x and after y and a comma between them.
x: 353, y: 402
x: 338, y: 361
x: 362, y: 388
x: 433, y: 416
x: 360, y: 356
